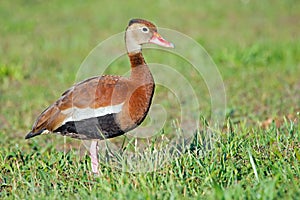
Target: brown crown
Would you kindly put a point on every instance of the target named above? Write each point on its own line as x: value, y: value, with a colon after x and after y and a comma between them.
x: 142, y: 21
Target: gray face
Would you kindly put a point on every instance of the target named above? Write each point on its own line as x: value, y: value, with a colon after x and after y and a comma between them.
x: 136, y: 35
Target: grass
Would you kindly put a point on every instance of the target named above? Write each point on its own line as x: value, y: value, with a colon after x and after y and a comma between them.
x: 256, y: 47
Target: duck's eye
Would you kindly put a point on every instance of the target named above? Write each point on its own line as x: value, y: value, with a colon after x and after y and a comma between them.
x: 145, y: 29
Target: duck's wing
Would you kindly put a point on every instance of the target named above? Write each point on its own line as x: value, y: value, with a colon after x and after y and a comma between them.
x: 92, y: 98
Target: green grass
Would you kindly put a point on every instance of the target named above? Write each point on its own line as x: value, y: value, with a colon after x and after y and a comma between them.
x: 256, y: 47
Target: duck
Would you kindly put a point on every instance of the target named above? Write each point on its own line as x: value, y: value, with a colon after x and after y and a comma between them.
x: 106, y: 106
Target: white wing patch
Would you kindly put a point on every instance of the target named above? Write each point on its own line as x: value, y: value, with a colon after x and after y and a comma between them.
x: 77, y: 114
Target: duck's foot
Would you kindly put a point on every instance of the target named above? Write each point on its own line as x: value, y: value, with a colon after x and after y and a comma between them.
x: 94, y: 157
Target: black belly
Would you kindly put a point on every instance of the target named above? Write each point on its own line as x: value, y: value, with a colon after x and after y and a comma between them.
x: 92, y: 128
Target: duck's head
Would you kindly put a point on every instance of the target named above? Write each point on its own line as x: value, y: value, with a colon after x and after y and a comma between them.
x: 140, y: 32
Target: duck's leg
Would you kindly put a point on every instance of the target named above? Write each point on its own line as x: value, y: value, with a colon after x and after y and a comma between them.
x: 94, y: 157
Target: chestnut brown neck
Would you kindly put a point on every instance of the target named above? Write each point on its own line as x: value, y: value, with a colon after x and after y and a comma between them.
x: 140, y: 72
x: 136, y: 59
x: 141, y: 88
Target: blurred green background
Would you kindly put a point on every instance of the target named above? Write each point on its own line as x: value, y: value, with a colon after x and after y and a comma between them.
x: 255, y: 44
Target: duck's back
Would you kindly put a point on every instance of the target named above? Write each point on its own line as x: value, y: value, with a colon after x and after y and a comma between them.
x: 97, y: 108
x: 75, y: 112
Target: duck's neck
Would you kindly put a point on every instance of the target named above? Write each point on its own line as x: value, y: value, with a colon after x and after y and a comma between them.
x: 141, y: 89
x: 139, y: 69
x: 136, y: 59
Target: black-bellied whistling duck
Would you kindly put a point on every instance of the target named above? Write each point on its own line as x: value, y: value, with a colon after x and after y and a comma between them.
x: 106, y: 106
